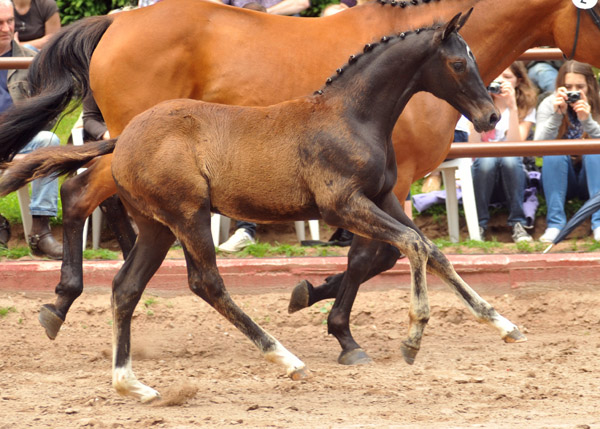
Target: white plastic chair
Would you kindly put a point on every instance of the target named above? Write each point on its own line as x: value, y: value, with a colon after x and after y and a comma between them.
x: 448, y: 170
x: 77, y: 136
x: 219, y: 227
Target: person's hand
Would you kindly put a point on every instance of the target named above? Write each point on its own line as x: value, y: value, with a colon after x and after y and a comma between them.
x: 106, y: 135
x: 507, y: 93
x: 582, y: 107
x: 560, y: 100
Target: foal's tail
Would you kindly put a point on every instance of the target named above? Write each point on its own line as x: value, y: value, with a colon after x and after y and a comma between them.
x: 59, y: 73
x: 50, y: 161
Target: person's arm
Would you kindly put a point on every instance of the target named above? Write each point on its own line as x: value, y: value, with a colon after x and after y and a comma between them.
x: 51, y: 27
x: 548, y: 120
x: 289, y: 7
x: 93, y: 122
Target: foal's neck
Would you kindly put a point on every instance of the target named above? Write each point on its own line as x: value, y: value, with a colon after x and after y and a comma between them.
x: 374, y: 86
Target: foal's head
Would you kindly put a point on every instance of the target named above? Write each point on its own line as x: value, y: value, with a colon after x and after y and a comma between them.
x: 452, y: 74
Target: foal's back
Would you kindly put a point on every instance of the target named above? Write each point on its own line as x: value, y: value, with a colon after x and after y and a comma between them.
x: 243, y: 158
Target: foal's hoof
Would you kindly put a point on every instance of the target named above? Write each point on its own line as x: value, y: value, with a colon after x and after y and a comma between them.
x: 50, y: 320
x: 408, y: 353
x: 300, y: 374
x: 354, y: 357
x: 300, y: 297
x: 515, y: 336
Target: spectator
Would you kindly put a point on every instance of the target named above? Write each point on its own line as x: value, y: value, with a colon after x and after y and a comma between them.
x: 514, y: 95
x: 543, y: 74
x: 94, y: 127
x: 276, y: 7
x: 561, y: 116
x: 35, y: 22
x: 13, y: 88
x: 334, y: 8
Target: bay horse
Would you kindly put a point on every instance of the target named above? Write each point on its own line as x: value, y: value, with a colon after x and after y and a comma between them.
x: 209, y: 55
x: 328, y: 155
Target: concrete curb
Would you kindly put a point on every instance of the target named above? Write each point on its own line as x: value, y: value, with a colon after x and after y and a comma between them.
x: 488, y: 274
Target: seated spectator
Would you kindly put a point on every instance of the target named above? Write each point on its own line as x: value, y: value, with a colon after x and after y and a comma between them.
x: 571, y: 112
x: 333, y: 8
x: 276, y: 7
x: 35, y: 22
x: 515, y: 97
x: 543, y: 74
x: 44, y: 196
x: 94, y: 127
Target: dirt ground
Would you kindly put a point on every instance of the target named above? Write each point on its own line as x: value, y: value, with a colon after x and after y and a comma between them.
x: 212, y: 376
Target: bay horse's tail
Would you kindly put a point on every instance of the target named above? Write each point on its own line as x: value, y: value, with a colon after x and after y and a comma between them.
x: 58, y: 73
x: 50, y: 161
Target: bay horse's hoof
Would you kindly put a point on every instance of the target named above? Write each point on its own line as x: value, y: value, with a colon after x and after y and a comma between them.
x: 354, y: 357
x: 300, y: 297
x: 408, y: 353
x: 50, y: 320
x: 515, y: 336
x: 300, y: 374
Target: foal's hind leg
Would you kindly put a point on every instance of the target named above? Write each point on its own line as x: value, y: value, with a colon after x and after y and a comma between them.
x: 80, y: 195
x: 128, y: 285
x: 205, y: 281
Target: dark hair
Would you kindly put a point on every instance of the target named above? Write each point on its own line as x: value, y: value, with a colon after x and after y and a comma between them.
x: 525, y: 92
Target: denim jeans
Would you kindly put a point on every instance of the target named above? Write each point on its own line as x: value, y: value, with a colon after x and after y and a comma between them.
x: 561, y: 182
x: 543, y: 75
x: 500, y: 177
x: 44, y: 192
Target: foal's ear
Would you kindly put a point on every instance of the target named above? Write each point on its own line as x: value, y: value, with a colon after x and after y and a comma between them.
x: 464, y: 19
x: 451, y: 26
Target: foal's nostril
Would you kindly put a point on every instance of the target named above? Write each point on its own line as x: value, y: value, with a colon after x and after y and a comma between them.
x: 494, y: 118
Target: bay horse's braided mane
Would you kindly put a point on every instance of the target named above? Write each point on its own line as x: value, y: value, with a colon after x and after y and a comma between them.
x: 369, y: 47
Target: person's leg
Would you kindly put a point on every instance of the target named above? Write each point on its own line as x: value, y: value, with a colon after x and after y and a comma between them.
x: 591, y: 171
x: 250, y: 227
x: 485, y: 174
x: 512, y: 178
x: 543, y: 75
x: 242, y: 237
x: 557, y: 173
x: 44, y: 203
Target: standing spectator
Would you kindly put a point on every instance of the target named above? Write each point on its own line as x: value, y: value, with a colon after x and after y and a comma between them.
x: 44, y: 197
x: 35, y: 22
x: 515, y: 97
x: 571, y: 112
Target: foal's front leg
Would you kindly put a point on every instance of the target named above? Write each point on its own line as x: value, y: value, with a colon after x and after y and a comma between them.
x: 365, y: 219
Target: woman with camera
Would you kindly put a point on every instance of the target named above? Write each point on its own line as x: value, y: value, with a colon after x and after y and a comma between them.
x: 571, y: 112
x: 504, y: 178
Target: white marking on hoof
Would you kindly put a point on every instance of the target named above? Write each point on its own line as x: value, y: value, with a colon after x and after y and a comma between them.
x: 504, y: 325
x: 281, y: 355
x: 126, y: 384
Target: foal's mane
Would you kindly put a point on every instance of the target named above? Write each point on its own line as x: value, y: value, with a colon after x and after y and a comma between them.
x: 369, y: 48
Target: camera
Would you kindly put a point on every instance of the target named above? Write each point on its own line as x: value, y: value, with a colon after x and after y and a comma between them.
x: 573, y: 96
x: 495, y: 87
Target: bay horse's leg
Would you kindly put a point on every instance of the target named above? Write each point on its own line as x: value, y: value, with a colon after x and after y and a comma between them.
x: 80, y: 195
x: 119, y: 223
x: 377, y: 256
x: 205, y: 281
x: 145, y: 258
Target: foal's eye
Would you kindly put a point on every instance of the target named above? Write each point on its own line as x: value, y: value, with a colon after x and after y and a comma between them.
x: 458, y: 66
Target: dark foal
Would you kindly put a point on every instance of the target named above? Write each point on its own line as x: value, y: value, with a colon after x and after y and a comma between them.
x: 328, y: 155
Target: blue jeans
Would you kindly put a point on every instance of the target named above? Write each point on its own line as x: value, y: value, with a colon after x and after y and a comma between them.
x: 44, y: 192
x: 563, y: 182
x: 543, y: 75
x: 499, y: 177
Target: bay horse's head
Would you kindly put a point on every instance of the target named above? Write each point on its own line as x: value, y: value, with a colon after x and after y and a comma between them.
x: 452, y: 74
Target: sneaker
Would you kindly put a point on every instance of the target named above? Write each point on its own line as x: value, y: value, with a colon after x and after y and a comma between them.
x: 519, y: 234
x: 482, y: 233
x: 238, y: 241
x: 549, y: 235
x: 597, y: 233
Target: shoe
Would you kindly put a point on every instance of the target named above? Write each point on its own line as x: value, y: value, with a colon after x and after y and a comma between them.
x: 433, y: 182
x: 597, y: 233
x: 482, y: 233
x: 4, y: 232
x: 549, y: 235
x: 238, y: 241
x: 519, y: 234
x: 45, y: 245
